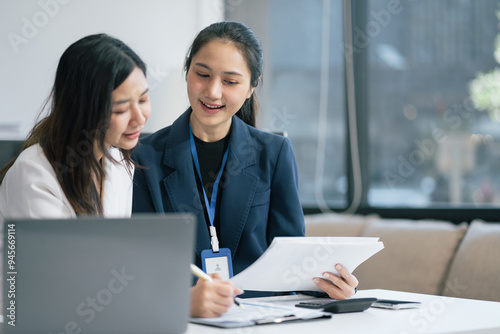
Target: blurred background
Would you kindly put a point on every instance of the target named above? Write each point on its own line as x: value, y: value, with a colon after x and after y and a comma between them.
x: 423, y: 136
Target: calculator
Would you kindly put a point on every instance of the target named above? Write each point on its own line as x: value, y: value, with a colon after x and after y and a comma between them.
x: 339, y: 306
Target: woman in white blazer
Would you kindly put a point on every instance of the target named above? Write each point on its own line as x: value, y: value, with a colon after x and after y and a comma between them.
x: 76, y: 160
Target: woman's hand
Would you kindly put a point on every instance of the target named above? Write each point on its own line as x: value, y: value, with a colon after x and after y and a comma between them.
x: 212, y: 299
x: 337, y: 287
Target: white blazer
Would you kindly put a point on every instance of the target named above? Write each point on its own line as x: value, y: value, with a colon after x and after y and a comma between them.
x: 30, y: 189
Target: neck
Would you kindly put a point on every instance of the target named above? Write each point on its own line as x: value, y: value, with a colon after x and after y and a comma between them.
x: 97, y: 151
x: 98, y: 156
x: 209, y: 134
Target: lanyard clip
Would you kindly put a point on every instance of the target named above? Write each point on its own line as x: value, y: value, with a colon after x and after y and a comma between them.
x: 213, y: 239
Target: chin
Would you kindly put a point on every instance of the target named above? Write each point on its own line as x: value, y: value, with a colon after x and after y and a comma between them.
x: 127, y: 146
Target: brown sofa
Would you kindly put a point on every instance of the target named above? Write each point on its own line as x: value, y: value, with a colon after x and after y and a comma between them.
x: 425, y: 256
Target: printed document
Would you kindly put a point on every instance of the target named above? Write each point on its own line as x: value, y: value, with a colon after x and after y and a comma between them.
x: 290, y: 263
x: 260, y: 313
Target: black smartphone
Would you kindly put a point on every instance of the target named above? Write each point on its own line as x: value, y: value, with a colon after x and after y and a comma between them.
x: 395, y: 304
x: 339, y: 306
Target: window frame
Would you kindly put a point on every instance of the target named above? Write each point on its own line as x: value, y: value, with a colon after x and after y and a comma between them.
x: 456, y: 215
x: 359, y: 17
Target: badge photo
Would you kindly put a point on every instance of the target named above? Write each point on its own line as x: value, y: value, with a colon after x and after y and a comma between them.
x: 219, y: 262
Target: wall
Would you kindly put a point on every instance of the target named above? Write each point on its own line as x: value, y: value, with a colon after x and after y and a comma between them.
x: 34, y: 34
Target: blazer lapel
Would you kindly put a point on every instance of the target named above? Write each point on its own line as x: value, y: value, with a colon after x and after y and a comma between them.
x: 240, y: 186
x: 180, y: 183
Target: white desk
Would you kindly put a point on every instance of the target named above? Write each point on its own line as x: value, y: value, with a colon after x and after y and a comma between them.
x: 437, y: 315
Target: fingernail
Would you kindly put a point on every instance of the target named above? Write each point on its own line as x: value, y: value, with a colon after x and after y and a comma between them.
x: 325, y: 275
x: 316, y: 280
x: 338, y: 267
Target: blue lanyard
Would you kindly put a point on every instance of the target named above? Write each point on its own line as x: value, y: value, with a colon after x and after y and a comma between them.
x: 209, y: 205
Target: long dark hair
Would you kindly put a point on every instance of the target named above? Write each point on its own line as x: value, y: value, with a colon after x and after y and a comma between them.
x: 79, y: 113
x: 249, y: 45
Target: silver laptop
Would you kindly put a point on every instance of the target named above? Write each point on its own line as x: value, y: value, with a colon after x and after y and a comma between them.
x: 98, y: 275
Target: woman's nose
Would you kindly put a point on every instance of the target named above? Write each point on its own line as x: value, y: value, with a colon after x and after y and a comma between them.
x: 214, y: 89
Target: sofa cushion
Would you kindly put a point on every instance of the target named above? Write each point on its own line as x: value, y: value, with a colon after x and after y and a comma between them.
x: 475, y: 270
x: 415, y: 258
x: 335, y: 224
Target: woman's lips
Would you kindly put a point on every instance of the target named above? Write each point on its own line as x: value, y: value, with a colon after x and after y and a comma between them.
x: 211, y: 108
x: 134, y: 135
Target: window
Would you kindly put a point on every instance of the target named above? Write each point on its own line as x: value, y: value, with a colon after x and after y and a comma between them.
x: 303, y: 88
x: 429, y: 146
x: 425, y: 139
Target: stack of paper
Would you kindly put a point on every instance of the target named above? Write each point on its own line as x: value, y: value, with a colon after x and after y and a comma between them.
x: 260, y: 313
x: 290, y: 263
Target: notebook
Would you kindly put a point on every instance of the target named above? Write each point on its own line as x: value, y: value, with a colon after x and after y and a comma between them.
x: 261, y: 311
x: 91, y: 275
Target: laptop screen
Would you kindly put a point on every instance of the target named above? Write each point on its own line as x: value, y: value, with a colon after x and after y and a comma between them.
x: 91, y: 275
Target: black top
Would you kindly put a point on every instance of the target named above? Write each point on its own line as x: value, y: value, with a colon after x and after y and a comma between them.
x: 210, y: 159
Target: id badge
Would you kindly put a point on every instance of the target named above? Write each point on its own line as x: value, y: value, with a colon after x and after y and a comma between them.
x: 219, y: 262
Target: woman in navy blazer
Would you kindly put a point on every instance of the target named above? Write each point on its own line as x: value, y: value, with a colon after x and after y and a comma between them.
x: 257, y: 197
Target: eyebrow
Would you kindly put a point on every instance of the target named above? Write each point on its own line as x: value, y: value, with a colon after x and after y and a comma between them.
x: 128, y: 100
x: 210, y: 69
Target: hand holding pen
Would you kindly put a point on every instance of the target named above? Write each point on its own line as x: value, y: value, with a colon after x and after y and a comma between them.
x: 211, y: 297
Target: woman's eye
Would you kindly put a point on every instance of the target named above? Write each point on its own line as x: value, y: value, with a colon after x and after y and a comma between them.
x: 118, y: 112
x: 202, y: 75
x: 229, y: 82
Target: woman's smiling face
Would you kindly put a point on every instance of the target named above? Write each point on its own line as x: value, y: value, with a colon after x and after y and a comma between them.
x: 130, y: 111
x: 218, y: 83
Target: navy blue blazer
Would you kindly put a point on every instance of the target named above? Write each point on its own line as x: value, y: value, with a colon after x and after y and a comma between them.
x: 259, y: 197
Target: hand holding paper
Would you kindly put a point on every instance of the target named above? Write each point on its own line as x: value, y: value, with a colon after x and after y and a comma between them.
x: 337, y: 287
x: 290, y: 263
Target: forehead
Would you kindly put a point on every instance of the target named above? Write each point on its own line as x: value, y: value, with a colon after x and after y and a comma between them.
x: 222, y: 56
x: 135, y: 83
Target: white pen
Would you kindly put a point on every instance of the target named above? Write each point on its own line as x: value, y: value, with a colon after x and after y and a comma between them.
x: 200, y: 273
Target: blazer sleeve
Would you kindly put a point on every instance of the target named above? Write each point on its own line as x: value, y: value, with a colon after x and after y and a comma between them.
x: 32, y: 191
x: 286, y: 217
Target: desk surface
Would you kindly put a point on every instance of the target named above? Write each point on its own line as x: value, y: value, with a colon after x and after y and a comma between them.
x: 437, y: 315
